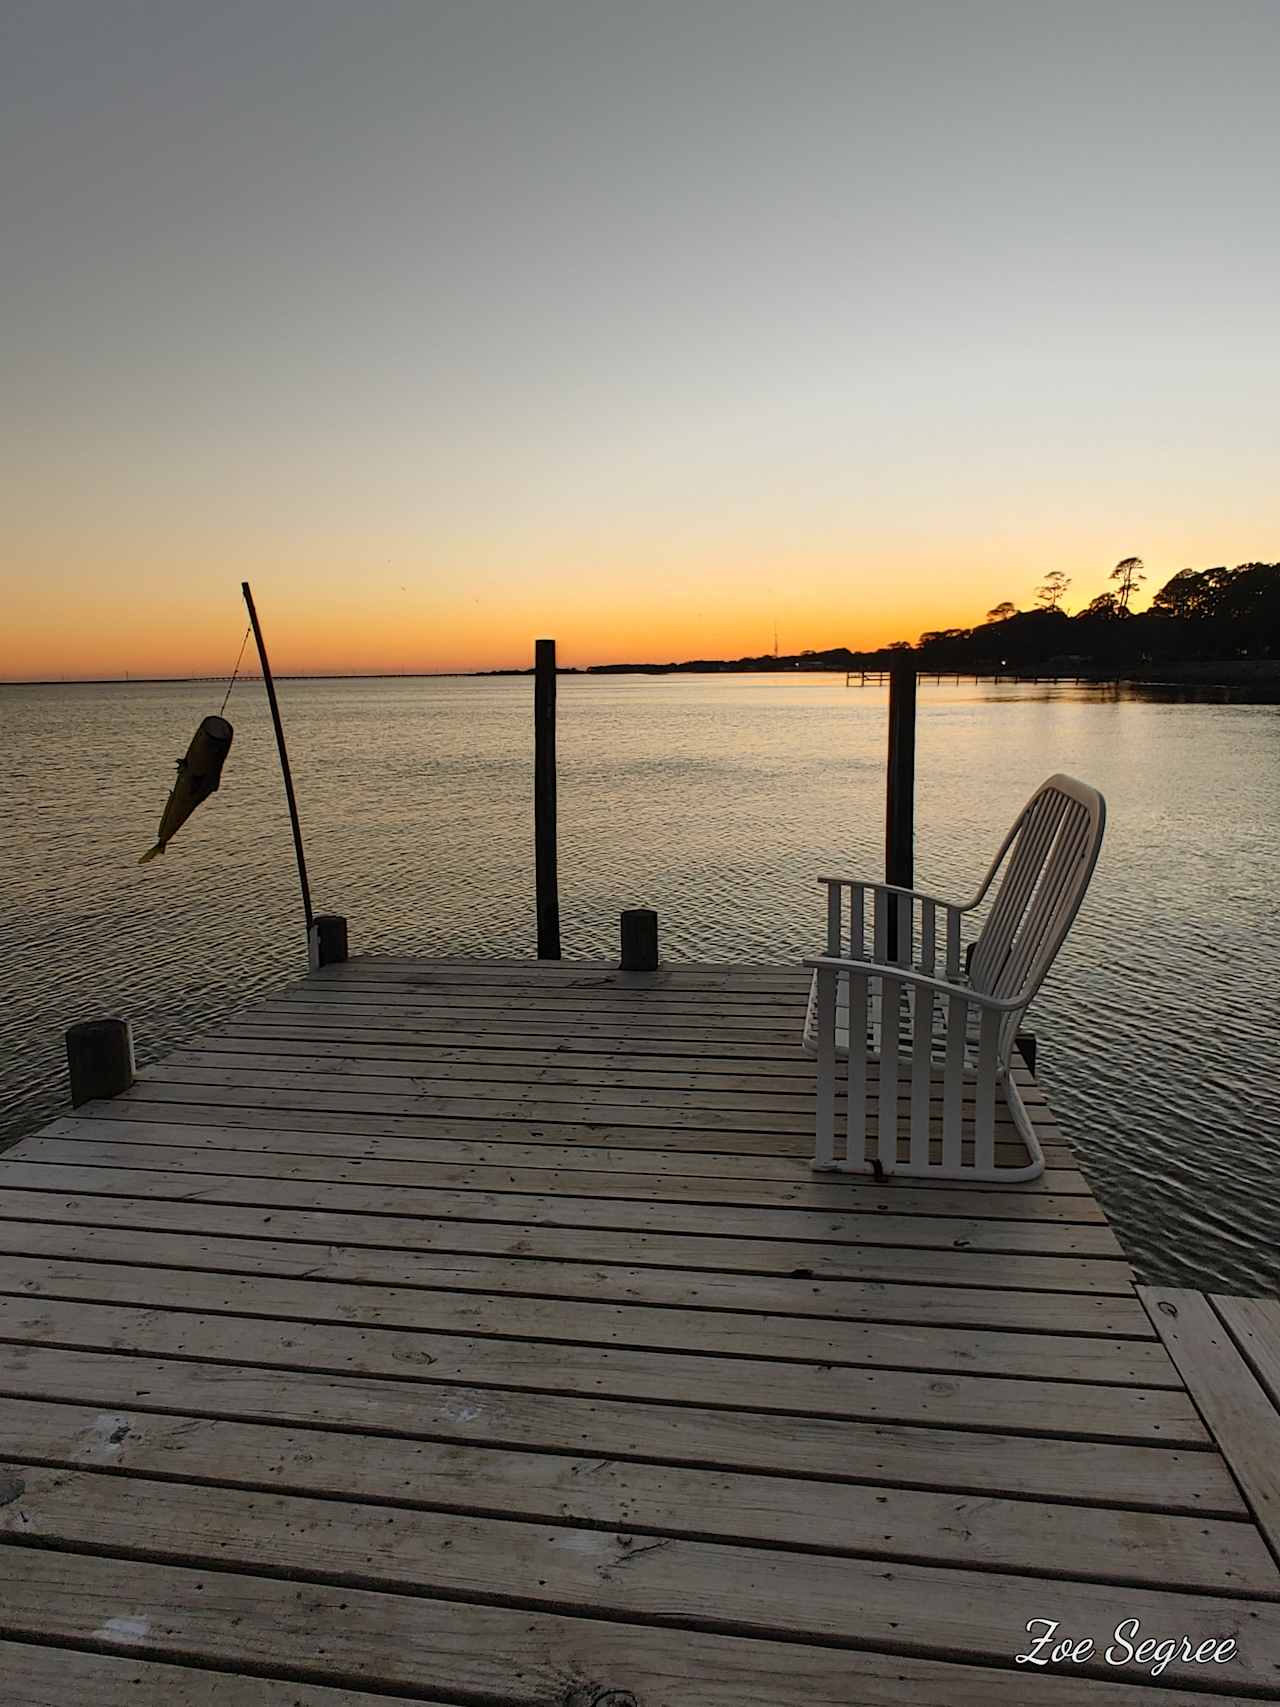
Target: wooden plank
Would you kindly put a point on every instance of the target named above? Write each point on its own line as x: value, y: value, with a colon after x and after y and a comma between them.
x: 1238, y: 1411
x: 236, y: 1109
x: 780, y: 1031
x: 496, y: 1029
x: 98, y: 1143
x: 1076, y: 1409
x: 474, y: 1119
x: 491, y: 1066
x: 1254, y: 1324
x: 711, y: 1109
x: 567, y: 1084
x: 40, y: 1676
x: 421, y: 1238
x: 320, y: 1050
x: 522, y: 1658
x: 354, y: 1187
x: 614, y: 1031
x: 738, y: 1333
x: 316, y: 1114
x: 303, y: 1029
x: 933, y: 1611
x: 790, y: 977
x: 634, y: 1038
x: 520, y: 1030
x: 665, y: 1129
x: 717, y: 1017
x: 1251, y: 1444
x: 562, y: 1084
x: 839, y: 1518
x: 1064, y: 1197
x: 652, y: 994
x: 572, y: 965
x: 785, y: 1297
x: 540, y: 1101
x: 1043, y: 1467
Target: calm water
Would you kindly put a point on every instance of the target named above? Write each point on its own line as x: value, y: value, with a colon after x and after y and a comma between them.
x: 717, y: 800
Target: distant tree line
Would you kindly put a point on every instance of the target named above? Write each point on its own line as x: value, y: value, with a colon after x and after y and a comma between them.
x: 1200, y: 614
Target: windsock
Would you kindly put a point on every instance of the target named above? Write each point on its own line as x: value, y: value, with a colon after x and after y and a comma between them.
x: 199, y: 774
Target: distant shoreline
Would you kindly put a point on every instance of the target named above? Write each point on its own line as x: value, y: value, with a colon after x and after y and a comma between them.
x: 1236, y: 672
x: 1244, y: 672
x: 1207, y: 673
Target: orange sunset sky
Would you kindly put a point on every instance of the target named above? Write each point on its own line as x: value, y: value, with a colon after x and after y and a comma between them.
x: 644, y: 327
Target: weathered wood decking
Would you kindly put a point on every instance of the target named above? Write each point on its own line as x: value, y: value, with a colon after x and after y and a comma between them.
x: 476, y: 1332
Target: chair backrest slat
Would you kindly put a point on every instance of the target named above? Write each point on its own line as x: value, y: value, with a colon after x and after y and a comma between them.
x: 1052, y: 851
x: 1055, y: 891
x: 1029, y: 840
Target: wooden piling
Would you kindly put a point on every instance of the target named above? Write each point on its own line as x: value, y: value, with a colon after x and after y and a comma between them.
x: 99, y: 1059
x: 327, y: 940
x: 640, y: 940
x: 900, y: 786
x: 546, y: 877
x: 268, y: 681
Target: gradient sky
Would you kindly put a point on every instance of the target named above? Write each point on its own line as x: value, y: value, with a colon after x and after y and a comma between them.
x: 642, y: 324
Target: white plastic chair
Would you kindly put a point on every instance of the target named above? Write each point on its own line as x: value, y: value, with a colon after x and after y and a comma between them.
x: 953, y: 1018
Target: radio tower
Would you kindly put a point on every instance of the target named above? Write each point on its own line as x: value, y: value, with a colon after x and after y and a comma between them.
x: 775, y: 637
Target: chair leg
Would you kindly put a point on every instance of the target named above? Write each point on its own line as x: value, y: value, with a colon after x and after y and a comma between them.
x: 824, y: 1147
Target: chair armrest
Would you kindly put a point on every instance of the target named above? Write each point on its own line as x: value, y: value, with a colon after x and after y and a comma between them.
x: 894, y: 889
x: 922, y: 980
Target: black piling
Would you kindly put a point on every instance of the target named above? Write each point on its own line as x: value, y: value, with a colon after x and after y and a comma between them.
x: 640, y: 940
x: 899, y: 840
x: 546, y: 877
x: 99, y: 1059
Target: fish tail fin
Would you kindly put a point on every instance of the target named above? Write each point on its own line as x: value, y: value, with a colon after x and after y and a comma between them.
x: 151, y: 853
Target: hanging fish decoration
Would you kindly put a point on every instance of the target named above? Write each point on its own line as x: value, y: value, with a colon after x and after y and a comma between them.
x: 199, y: 774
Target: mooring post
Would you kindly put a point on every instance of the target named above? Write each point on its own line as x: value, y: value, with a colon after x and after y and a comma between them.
x: 99, y: 1058
x: 899, y: 838
x: 1025, y: 1043
x: 640, y: 940
x: 546, y: 879
x: 326, y: 940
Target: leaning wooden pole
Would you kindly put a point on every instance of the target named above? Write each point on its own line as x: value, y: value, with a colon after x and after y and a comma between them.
x: 546, y: 877
x: 284, y: 758
x: 899, y: 837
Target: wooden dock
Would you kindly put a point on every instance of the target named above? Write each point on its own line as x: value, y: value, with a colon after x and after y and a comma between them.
x: 475, y: 1332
